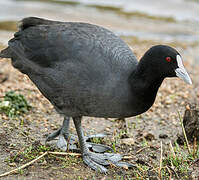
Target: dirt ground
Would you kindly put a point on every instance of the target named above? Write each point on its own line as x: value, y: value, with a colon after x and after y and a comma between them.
x: 22, y: 139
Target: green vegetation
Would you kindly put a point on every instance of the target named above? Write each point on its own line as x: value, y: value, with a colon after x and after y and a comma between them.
x: 32, y: 152
x: 179, y: 160
x: 97, y: 140
x: 29, y: 153
x: 14, y: 104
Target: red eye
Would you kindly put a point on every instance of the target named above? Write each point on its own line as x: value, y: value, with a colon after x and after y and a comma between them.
x: 168, y: 59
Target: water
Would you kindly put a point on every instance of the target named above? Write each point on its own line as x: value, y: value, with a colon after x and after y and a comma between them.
x: 178, y: 9
x: 16, y: 10
x: 185, y: 13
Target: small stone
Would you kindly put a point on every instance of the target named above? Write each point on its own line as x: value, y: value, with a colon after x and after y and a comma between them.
x: 104, y: 178
x: 149, y: 136
x: 44, y: 162
x: 128, y: 141
x: 188, y: 107
x: 163, y: 136
x: 124, y: 136
x: 108, y: 129
x: 125, y: 167
x: 12, y: 164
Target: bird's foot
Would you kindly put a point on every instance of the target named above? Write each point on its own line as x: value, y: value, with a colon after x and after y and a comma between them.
x: 97, y: 161
x: 65, y: 141
x: 68, y: 141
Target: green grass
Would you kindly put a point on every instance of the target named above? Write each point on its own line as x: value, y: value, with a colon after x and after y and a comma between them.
x: 180, y: 161
x: 14, y: 105
x: 29, y: 153
x: 97, y: 140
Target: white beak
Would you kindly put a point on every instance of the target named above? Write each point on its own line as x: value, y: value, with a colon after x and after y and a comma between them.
x: 181, y: 71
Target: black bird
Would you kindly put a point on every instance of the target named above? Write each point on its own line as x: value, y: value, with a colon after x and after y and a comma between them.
x: 86, y: 70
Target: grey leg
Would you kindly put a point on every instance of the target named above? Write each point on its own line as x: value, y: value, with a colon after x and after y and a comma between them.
x: 68, y: 141
x: 64, y: 129
x: 62, y: 142
x: 86, y: 154
x: 97, y: 161
x: 63, y: 134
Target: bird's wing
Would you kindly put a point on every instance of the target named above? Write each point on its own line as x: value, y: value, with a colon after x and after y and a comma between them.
x: 46, y: 43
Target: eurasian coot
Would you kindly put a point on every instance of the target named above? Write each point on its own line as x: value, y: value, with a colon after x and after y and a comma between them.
x: 86, y: 70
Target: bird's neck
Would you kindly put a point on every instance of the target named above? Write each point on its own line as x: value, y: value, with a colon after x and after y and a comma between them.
x: 145, y: 81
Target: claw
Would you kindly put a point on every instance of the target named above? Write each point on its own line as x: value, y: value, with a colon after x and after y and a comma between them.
x: 113, y: 157
x: 53, y: 135
x: 62, y: 143
x: 93, y: 165
x: 97, y: 161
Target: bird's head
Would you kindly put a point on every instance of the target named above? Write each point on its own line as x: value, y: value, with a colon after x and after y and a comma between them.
x: 166, y: 61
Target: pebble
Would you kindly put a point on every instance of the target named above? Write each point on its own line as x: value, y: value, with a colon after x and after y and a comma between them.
x: 149, y: 136
x: 163, y: 136
x: 128, y: 141
x: 13, y: 164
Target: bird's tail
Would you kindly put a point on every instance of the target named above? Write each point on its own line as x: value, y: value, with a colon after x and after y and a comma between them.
x: 5, y: 53
x: 35, y: 21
